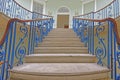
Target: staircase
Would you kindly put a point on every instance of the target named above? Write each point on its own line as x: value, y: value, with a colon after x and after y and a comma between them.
x: 61, y: 56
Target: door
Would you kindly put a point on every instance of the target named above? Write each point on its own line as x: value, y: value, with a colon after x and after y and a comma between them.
x: 62, y: 21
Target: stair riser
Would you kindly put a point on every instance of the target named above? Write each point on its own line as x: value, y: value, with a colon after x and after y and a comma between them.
x: 100, y: 76
x: 61, y: 45
x: 60, y: 51
x: 62, y: 39
x: 58, y: 31
x: 60, y: 36
x: 60, y: 59
x: 63, y: 33
x: 62, y: 48
x: 61, y: 42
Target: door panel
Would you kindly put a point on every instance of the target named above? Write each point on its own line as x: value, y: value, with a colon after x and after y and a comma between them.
x: 62, y: 21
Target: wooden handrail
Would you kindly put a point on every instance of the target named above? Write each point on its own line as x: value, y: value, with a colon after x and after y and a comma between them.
x: 103, y: 20
x: 18, y: 20
x: 1, y: 62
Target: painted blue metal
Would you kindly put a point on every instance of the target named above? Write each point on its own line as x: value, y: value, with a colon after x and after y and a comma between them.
x: 115, y: 76
x: 13, y: 46
x: 9, y: 50
x: 41, y: 32
x: 20, y: 50
x: 33, y: 36
x: 100, y: 50
x: 110, y: 24
x: 4, y: 58
x: 29, y: 42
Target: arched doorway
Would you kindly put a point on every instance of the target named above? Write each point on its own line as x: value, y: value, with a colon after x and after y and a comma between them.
x: 63, y: 17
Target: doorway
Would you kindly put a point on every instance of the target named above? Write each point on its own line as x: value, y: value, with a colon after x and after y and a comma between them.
x: 63, y: 15
x: 63, y: 21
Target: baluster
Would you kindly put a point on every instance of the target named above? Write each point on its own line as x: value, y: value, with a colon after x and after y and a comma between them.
x: 30, y: 39
x: 114, y: 73
x: 39, y: 28
x: 4, y: 58
x: 36, y: 34
x: 34, y: 31
x: 109, y: 43
x: 9, y: 49
x: 41, y: 31
x: 46, y: 28
x: 13, y: 46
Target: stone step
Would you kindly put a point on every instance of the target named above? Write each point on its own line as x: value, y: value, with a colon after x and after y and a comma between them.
x: 58, y: 42
x: 61, y: 44
x: 59, y: 71
x: 62, y: 39
x: 40, y: 50
x: 62, y: 33
x: 60, y: 58
x: 69, y: 34
x: 62, y: 29
x: 58, y: 29
x: 61, y: 36
x: 63, y: 48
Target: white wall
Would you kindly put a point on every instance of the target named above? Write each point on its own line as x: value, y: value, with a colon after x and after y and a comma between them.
x: 43, y: 3
x: 89, y: 7
x: 102, y: 3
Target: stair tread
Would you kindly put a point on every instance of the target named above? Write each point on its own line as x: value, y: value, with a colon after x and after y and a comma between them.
x: 61, y: 47
x: 60, y: 54
x: 60, y: 58
x: 60, y: 68
x: 58, y: 42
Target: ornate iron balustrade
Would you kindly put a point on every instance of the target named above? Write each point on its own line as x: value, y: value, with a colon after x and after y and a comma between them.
x: 20, y: 38
x: 14, y: 10
x: 98, y: 30
x: 102, y: 39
